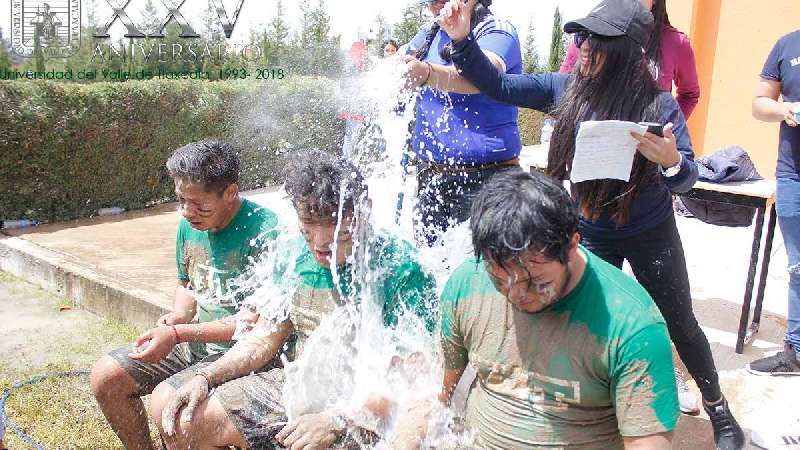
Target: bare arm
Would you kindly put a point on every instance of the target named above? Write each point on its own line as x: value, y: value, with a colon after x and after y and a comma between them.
x: 766, y: 106
x: 217, y: 331
x: 183, y: 304
x: 445, y: 78
x: 449, y: 382
x: 661, y: 441
x: 248, y: 355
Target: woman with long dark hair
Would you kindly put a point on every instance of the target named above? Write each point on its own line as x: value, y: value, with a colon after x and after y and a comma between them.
x: 620, y: 220
x: 461, y: 137
x: 671, y: 58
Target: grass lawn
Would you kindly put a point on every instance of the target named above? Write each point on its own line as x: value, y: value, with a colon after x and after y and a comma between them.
x: 48, y: 335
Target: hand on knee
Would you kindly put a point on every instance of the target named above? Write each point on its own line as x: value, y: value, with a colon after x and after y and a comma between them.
x: 161, y: 396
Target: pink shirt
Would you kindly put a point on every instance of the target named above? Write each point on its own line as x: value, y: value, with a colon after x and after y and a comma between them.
x: 677, y: 66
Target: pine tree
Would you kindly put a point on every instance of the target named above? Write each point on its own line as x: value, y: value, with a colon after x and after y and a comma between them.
x: 91, y: 12
x: 314, y: 50
x: 211, y: 28
x: 276, y: 37
x: 151, y: 19
x: 414, y: 17
x: 557, y: 48
x: 81, y: 60
x: 5, y: 60
x: 530, y: 57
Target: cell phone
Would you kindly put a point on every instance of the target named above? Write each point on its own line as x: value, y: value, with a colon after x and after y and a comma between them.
x: 654, y: 128
x: 797, y: 116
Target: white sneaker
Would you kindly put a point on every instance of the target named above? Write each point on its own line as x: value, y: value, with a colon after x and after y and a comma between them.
x: 776, y: 440
x: 686, y: 399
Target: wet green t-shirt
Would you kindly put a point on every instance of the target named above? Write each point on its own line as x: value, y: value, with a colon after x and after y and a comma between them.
x: 210, y: 262
x: 396, y: 279
x: 592, y: 368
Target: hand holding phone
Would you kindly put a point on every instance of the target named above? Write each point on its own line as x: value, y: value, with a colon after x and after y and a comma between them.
x: 655, y: 128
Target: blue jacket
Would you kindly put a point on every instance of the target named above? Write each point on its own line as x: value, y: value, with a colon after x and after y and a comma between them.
x: 653, y: 203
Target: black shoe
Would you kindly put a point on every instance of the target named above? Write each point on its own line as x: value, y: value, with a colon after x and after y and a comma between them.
x: 728, y: 434
x: 786, y: 362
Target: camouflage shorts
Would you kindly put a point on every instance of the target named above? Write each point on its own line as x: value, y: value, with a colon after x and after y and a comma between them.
x: 253, y: 402
x: 148, y: 376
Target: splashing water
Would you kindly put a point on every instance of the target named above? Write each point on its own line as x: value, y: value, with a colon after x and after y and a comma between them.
x: 351, y: 359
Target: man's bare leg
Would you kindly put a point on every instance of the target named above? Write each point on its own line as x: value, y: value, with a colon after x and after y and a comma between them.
x: 210, y: 428
x: 116, y: 393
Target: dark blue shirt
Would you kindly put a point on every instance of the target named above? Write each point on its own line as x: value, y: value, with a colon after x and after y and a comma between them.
x: 469, y: 129
x: 653, y: 202
x: 783, y: 65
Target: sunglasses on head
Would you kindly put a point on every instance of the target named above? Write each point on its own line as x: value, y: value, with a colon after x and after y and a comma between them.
x: 581, y: 37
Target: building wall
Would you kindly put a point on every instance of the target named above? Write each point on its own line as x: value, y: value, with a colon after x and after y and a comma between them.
x: 732, y: 39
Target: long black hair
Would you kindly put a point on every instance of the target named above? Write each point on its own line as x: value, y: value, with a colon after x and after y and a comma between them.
x: 623, y: 89
x: 478, y: 15
x: 660, y: 18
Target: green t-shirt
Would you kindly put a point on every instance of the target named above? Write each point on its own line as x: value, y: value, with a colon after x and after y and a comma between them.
x: 211, y: 261
x: 592, y: 368
x: 397, y: 279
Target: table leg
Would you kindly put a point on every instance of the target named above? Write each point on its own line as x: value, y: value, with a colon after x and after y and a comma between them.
x: 744, y: 318
x: 762, y: 283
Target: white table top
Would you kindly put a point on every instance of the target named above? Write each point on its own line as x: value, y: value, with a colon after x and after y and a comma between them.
x: 535, y: 156
x: 758, y: 188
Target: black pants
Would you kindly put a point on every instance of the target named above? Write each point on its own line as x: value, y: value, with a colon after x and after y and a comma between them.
x: 444, y: 198
x: 657, y: 259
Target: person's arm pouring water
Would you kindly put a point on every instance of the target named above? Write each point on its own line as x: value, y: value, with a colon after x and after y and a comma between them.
x: 531, y: 91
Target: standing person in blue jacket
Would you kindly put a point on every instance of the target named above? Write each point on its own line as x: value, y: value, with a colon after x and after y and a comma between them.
x: 620, y: 220
x: 781, y: 78
x: 461, y: 137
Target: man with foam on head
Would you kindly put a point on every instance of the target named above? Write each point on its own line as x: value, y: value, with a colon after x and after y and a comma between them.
x: 219, y: 234
x: 569, y: 351
x: 326, y: 268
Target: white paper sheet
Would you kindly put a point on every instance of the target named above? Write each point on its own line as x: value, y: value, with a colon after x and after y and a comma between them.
x: 604, y: 149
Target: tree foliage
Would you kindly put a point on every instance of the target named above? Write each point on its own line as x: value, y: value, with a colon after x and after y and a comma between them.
x: 530, y: 58
x: 557, y: 48
x: 414, y: 17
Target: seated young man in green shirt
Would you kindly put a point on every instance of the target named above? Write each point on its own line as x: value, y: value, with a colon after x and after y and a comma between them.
x: 569, y: 351
x: 219, y: 234
x: 246, y: 407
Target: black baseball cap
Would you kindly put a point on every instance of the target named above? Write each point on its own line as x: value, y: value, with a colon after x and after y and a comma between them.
x: 616, y: 18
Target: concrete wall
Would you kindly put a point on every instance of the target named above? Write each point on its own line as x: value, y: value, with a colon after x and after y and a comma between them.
x: 732, y: 39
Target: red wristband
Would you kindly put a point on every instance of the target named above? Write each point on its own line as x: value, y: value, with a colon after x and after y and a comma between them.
x: 175, y: 333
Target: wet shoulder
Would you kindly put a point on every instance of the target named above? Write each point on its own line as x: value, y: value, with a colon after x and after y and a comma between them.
x: 468, y: 283
x: 397, y: 258
x: 628, y: 306
x: 392, y: 251
x: 258, y: 217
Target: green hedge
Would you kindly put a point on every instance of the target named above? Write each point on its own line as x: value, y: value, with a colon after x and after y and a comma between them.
x: 67, y: 150
x: 530, y: 126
